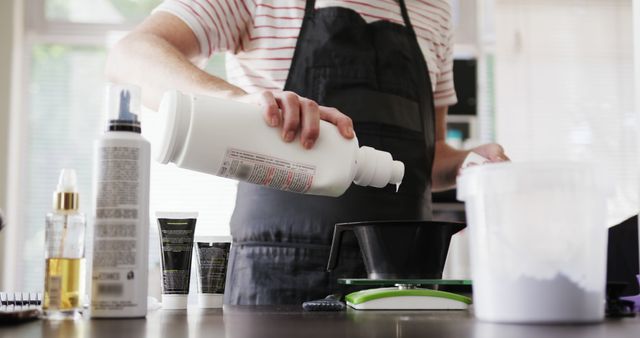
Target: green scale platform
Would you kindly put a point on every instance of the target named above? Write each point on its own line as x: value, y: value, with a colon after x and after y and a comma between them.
x: 405, y: 294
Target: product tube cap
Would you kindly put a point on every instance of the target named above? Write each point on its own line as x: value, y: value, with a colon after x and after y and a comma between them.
x: 210, y: 300
x: 174, y: 302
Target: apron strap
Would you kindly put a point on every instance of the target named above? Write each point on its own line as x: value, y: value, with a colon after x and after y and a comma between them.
x: 310, y: 7
x: 405, y: 17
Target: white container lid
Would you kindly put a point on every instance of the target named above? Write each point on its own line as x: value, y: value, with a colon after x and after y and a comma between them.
x: 174, y: 302
x: 175, y: 114
x: 210, y: 300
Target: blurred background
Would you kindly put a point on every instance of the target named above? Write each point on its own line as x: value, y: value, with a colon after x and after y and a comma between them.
x: 548, y: 79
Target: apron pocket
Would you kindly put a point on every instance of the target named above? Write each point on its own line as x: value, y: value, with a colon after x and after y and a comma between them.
x: 283, y: 274
x: 379, y: 107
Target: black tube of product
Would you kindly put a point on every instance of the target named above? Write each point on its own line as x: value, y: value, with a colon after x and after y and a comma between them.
x: 212, y: 258
x: 176, y: 246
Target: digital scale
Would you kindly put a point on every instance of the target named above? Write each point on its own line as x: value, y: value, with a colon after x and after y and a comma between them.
x: 405, y: 294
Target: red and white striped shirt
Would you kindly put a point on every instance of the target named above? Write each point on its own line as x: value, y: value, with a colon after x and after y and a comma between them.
x: 260, y: 36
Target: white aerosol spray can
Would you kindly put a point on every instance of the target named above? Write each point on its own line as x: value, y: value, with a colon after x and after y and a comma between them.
x: 121, y: 213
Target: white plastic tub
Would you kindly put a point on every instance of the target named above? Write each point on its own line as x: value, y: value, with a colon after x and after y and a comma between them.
x: 538, y: 239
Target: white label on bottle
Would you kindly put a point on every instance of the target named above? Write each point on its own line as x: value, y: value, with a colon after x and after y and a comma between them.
x: 115, y: 232
x: 268, y: 171
x: 55, y: 292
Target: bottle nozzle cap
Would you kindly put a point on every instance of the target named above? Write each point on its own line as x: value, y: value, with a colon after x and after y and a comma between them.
x: 66, y: 195
x: 377, y: 168
x: 397, y: 172
x: 68, y: 181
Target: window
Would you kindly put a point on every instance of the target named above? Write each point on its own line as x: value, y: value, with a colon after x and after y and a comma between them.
x: 66, y: 44
x: 98, y: 11
x: 565, y: 87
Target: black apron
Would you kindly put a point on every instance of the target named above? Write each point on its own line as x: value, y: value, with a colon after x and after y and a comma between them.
x: 376, y: 74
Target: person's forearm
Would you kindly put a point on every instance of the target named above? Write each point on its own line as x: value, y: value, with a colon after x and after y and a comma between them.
x: 447, y: 160
x: 156, y: 66
x: 446, y: 165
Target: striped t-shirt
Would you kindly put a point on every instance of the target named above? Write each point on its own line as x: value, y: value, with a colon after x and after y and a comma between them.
x: 260, y: 36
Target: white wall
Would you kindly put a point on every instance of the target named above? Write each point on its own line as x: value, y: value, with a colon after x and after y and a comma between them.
x: 465, y: 22
x: 6, y: 41
x: 565, y: 87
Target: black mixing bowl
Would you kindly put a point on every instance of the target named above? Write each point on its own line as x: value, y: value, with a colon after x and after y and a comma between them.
x: 399, y: 249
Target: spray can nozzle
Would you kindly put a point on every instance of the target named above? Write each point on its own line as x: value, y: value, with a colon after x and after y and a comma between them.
x: 124, y: 112
x: 123, y: 107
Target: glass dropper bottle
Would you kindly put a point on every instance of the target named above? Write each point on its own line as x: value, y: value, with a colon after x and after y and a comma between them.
x: 64, y: 251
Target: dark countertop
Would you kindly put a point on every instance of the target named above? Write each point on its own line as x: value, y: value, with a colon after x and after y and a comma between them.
x: 265, y: 322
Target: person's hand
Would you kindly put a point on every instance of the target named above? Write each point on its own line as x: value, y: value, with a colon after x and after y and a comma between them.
x: 297, y: 115
x: 488, y: 153
x: 493, y: 152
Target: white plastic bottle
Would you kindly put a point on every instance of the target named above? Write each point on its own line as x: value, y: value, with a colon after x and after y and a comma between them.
x: 231, y: 139
x: 121, y: 214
